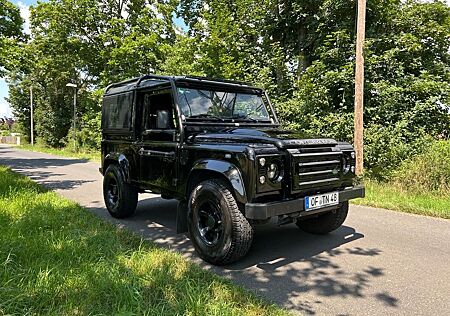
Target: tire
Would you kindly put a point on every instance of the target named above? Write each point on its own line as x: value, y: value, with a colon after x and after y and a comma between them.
x: 120, y: 197
x: 219, y: 231
x: 325, y: 223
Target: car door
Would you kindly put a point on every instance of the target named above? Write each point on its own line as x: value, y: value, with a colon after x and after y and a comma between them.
x: 158, y: 148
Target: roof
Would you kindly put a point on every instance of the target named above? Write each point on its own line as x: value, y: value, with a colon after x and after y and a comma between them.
x: 156, y: 80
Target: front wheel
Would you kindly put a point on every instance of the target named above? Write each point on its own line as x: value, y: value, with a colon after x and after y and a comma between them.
x: 325, y: 223
x: 120, y: 197
x: 219, y: 231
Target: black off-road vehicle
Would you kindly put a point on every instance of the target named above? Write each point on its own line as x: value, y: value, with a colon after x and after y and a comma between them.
x: 216, y: 147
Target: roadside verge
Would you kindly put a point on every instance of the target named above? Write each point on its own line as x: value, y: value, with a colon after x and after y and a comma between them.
x: 58, y: 258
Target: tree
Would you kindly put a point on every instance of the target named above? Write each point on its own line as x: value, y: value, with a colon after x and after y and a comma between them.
x: 10, y: 34
x: 92, y: 45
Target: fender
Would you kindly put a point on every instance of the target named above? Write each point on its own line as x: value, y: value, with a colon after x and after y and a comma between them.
x: 123, y: 163
x: 228, y: 170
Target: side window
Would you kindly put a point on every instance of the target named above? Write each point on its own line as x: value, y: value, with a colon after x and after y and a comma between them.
x: 158, y: 111
x: 117, y: 111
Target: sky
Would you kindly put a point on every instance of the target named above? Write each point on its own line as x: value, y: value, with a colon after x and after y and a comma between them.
x: 25, y: 13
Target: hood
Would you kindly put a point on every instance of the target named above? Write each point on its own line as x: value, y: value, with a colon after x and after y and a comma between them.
x: 278, y: 137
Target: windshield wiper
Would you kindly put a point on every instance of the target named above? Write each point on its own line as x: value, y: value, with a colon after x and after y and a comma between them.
x: 207, y: 116
x: 245, y: 117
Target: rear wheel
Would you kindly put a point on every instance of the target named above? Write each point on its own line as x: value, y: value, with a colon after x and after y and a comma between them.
x: 325, y: 223
x: 219, y: 231
x: 120, y: 197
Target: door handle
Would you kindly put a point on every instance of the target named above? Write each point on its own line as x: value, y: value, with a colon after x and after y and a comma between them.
x: 155, y: 153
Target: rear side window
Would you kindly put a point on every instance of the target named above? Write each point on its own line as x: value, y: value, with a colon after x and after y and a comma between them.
x: 117, y: 111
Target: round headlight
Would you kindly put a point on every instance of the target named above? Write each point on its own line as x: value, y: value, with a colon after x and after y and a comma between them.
x: 262, y: 179
x: 273, y: 171
x: 262, y: 162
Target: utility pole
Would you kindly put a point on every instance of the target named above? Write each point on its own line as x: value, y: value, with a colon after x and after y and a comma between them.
x: 359, y: 86
x: 32, y: 117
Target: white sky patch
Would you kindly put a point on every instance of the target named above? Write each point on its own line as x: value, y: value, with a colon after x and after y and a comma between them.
x: 5, y: 110
x: 25, y: 14
x: 155, y: 11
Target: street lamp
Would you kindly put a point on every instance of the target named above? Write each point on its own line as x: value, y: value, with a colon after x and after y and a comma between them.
x: 72, y: 85
x: 31, y: 118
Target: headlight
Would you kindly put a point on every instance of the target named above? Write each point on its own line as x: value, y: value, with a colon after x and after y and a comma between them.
x: 273, y: 171
x: 270, y: 174
x: 262, y: 162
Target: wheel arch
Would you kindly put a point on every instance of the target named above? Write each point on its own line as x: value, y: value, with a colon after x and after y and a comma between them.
x: 211, y: 168
x: 121, y: 161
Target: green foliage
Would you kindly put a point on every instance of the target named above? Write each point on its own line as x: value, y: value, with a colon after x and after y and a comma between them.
x: 302, y: 52
x: 429, y: 171
x: 59, y: 259
x: 407, y: 85
x: 10, y: 35
x: 89, y: 137
x: 90, y: 45
x: 387, y: 146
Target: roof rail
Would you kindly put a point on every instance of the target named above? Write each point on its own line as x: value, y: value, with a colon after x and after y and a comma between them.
x: 137, y: 79
x: 172, y: 79
x: 243, y: 83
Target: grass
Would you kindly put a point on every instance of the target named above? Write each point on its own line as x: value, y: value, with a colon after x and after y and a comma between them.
x: 390, y: 196
x: 65, y: 152
x: 57, y: 258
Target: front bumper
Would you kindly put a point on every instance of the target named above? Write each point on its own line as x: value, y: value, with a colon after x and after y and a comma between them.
x: 285, y: 207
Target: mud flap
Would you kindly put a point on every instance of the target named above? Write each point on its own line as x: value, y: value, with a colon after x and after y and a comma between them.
x: 182, y: 211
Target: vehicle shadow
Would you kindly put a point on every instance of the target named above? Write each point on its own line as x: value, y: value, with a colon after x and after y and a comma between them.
x: 284, y: 263
x: 36, y: 169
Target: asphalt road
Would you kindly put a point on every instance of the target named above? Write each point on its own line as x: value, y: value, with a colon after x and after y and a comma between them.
x: 379, y: 263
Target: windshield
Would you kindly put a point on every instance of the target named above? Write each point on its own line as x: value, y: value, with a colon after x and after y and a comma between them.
x: 220, y: 105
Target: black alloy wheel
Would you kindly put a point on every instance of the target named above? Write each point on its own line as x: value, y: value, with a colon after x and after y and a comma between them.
x: 217, y: 227
x: 120, y: 197
x: 112, y: 192
x: 209, y: 223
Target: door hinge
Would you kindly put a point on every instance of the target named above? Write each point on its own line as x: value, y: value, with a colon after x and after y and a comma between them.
x: 183, y: 157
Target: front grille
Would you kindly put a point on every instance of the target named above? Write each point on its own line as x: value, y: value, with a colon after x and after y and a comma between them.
x: 315, y: 169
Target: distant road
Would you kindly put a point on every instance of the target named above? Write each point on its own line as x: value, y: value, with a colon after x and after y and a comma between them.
x: 380, y: 263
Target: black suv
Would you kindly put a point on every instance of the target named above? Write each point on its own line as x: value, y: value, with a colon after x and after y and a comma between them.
x: 216, y: 146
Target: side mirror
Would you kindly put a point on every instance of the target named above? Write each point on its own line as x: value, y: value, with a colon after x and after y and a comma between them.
x: 163, y: 119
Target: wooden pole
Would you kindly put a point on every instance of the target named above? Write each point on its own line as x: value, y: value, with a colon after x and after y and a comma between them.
x: 359, y: 86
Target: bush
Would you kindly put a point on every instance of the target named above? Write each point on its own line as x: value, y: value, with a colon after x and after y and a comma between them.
x: 386, y: 147
x: 429, y: 171
x: 90, y: 134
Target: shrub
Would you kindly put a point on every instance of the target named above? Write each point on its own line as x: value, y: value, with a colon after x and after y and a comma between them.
x: 429, y: 171
x: 386, y: 147
x: 89, y: 136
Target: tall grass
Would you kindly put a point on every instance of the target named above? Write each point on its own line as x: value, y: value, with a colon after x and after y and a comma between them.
x: 393, y: 197
x: 57, y: 258
x: 427, y: 172
x: 421, y: 185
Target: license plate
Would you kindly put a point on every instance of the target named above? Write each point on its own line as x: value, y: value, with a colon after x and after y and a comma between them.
x: 321, y: 200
